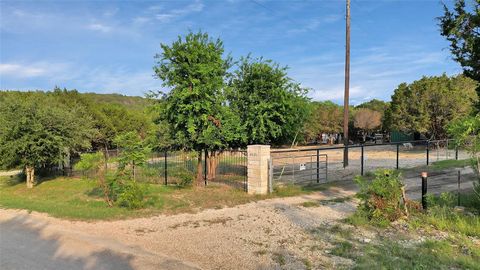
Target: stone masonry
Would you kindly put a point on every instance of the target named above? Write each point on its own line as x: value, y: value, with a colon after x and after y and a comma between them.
x: 257, y: 172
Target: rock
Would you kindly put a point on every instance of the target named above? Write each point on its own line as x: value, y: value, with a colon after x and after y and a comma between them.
x: 459, y: 209
x: 366, y: 240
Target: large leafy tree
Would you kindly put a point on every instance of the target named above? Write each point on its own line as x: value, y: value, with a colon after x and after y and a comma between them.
x: 194, y: 68
x: 461, y: 27
x: 271, y: 106
x: 324, y: 117
x: 38, y: 131
x: 428, y: 105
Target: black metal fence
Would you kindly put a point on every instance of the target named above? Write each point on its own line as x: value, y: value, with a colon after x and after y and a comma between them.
x: 172, y: 167
x: 363, y: 158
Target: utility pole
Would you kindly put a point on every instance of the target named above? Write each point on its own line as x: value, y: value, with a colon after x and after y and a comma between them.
x: 347, y: 87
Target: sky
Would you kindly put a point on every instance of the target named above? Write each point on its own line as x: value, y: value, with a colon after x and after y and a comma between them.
x: 109, y: 46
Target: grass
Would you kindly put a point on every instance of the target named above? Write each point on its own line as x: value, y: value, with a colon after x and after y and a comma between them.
x: 449, y: 239
x: 81, y: 199
x: 451, y: 163
x: 431, y: 254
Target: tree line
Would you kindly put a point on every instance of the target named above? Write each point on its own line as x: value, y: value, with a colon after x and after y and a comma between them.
x: 215, y: 102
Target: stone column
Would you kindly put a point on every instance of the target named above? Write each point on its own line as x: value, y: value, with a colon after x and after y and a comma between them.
x: 257, y: 170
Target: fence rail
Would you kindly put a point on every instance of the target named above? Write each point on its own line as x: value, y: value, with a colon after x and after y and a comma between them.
x: 363, y: 158
x: 170, y: 167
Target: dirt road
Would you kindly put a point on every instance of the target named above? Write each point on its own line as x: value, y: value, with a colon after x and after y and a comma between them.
x: 268, y: 234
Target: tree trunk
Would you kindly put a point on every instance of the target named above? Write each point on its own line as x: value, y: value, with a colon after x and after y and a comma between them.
x: 133, y: 169
x: 212, y: 165
x: 105, y: 155
x: 105, y: 187
x: 30, y: 171
x: 199, y: 169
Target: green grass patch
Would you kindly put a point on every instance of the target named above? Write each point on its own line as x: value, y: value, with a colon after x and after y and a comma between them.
x: 451, y: 163
x: 431, y: 254
x: 310, y: 204
x: 81, y: 199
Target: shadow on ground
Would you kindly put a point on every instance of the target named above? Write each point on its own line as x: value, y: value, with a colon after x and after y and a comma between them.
x: 23, y: 246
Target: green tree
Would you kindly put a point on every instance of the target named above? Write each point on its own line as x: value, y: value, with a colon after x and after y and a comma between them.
x: 428, y: 105
x: 133, y: 151
x: 194, y: 68
x: 324, y: 117
x: 271, y: 106
x: 466, y: 133
x: 38, y: 131
x: 94, y: 162
x: 461, y: 27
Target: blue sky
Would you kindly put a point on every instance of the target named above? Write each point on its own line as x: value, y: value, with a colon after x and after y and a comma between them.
x: 108, y: 46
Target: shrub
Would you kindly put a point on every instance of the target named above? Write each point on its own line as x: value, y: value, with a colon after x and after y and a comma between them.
x: 185, y: 177
x: 381, y: 197
x: 126, y: 192
x: 131, y: 196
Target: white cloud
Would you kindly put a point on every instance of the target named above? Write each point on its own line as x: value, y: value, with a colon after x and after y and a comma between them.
x: 99, y: 27
x: 22, y: 71
x: 194, y: 7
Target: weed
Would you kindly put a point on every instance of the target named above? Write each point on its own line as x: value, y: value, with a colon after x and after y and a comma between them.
x: 279, y: 258
x: 310, y: 204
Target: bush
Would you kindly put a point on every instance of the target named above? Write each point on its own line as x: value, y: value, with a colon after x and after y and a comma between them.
x: 126, y: 192
x: 131, y: 196
x: 381, y: 198
x: 186, y: 178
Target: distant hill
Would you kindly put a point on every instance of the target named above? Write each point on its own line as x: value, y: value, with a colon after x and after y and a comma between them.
x: 133, y: 102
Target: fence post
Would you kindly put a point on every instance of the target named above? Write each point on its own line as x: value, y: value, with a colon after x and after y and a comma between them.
x: 458, y: 189
x: 165, y: 162
x: 398, y: 149
x: 456, y: 153
x: 270, y: 176
x: 205, y: 167
x: 424, y: 190
x: 318, y: 166
x: 361, y: 161
x: 428, y: 153
x: 326, y: 168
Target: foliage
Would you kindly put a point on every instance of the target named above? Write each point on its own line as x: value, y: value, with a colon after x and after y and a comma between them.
x: 38, y: 131
x: 94, y: 163
x: 466, y: 133
x: 375, y: 105
x: 131, y: 195
x: 133, y: 151
x: 461, y: 27
x: 367, y: 119
x: 195, y: 69
x: 272, y: 108
x: 324, y: 117
x: 89, y: 162
x: 380, y: 198
x: 428, y: 105
x: 185, y: 176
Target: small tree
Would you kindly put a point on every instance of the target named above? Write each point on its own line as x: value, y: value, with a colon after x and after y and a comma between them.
x: 94, y: 162
x: 195, y: 69
x: 367, y: 120
x: 37, y: 131
x: 133, y: 151
x: 466, y: 133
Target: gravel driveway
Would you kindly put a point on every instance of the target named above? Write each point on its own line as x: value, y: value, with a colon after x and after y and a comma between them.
x: 261, y: 235
x: 268, y: 234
